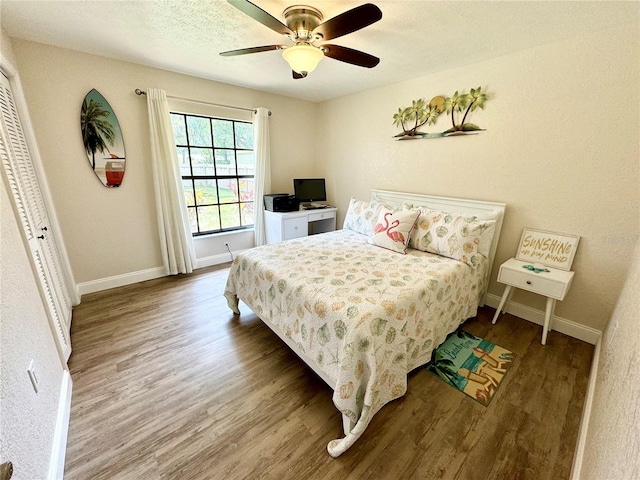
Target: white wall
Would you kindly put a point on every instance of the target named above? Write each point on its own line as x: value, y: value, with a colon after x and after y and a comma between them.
x: 27, y: 419
x: 112, y: 233
x: 612, y: 448
x: 561, y: 149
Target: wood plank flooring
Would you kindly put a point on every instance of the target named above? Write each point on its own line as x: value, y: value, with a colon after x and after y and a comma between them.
x: 168, y: 384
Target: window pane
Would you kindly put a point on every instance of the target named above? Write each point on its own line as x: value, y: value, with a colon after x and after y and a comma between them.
x: 244, y: 135
x: 179, y: 130
x: 206, y: 192
x: 183, y: 161
x: 225, y: 162
x: 247, y: 187
x: 187, y: 186
x: 199, y: 131
x: 209, y: 219
x: 246, y: 163
x: 223, y: 133
x: 228, y: 190
x: 230, y: 215
x: 246, y: 213
x: 192, y: 220
x: 202, y: 162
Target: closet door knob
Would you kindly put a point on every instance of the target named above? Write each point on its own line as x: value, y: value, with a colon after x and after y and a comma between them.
x: 41, y: 237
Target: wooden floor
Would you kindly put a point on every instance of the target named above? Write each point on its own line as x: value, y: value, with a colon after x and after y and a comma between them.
x: 168, y: 384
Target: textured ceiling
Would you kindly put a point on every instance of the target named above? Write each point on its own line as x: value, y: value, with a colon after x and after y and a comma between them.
x: 414, y: 38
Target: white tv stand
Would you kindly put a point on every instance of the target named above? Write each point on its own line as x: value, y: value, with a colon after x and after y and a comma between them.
x: 282, y: 226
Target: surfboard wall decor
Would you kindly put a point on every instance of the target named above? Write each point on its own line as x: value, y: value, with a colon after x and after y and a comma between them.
x: 102, y: 139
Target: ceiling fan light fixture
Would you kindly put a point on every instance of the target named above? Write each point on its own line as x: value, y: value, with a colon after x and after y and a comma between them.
x: 302, y: 57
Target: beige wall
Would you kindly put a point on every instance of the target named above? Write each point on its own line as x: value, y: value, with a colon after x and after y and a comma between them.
x: 27, y: 418
x: 613, y: 436
x: 6, y: 47
x: 113, y: 232
x: 561, y: 149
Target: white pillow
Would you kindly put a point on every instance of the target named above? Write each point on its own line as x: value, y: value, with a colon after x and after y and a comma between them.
x: 452, y: 235
x: 361, y: 217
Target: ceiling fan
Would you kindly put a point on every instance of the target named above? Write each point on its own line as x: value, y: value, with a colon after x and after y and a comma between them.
x: 304, y: 27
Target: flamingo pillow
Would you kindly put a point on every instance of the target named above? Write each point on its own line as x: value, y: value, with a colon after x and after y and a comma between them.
x: 393, y: 229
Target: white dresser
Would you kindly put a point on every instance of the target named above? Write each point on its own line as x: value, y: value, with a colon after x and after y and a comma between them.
x: 282, y: 226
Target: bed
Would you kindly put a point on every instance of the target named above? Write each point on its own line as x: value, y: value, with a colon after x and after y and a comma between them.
x: 362, y: 313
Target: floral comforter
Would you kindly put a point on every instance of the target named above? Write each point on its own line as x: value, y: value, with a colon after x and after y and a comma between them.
x: 362, y: 314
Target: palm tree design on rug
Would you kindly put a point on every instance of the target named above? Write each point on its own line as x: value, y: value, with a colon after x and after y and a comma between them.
x: 444, y: 368
x: 97, y: 131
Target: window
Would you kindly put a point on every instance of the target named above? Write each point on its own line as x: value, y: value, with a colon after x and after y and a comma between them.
x: 217, y: 166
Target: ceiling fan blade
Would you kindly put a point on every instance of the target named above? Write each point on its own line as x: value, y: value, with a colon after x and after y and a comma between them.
x: 349, y: 55
x: 297, y: 75
x: 261, y: 16
x: 349, y: 21
x: 244, y: 51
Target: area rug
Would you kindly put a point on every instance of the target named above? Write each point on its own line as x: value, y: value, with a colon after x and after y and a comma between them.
x: 471, y: 364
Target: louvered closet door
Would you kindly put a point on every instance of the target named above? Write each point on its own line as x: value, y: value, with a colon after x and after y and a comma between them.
x: 30, y: 207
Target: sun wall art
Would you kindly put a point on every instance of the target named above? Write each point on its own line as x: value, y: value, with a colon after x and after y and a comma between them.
x: 457, y: 108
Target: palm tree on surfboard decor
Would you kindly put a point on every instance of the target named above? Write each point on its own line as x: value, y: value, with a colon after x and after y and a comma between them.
x: 96, y: 129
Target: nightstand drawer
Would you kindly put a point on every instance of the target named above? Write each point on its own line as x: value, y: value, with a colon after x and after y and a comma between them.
x: 537, y: 284
x: 314, y: 217
x: 295, y: 228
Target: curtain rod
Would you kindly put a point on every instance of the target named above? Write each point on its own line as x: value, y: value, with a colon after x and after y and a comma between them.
x: 142, y: 92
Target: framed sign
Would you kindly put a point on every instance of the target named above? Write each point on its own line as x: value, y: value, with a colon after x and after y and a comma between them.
x: 551, y: 249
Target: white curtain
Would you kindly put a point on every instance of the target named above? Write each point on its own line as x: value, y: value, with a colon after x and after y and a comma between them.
x: 176, y: 242
x: 261, y: 148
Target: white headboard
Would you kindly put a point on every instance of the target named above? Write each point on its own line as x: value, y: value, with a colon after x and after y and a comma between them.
x: 451, y: 205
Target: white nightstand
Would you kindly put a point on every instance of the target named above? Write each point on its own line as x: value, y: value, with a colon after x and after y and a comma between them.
x: 553, y: 284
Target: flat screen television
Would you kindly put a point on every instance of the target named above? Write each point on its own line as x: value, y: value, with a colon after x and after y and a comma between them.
x: 309, y: 190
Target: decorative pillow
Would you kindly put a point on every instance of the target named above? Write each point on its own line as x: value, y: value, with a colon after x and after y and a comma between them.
x: 452, y: 235
x: 361, y: 217
x: 393, y: 229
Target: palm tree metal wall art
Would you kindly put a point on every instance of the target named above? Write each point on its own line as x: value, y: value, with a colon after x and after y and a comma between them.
x: 420, y: 113
x: 101, y: 134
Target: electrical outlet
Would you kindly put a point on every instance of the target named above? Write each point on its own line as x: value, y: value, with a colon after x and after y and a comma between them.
x: 32, y: 376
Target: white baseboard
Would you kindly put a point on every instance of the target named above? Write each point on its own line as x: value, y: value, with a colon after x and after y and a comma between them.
x: 121, y: 280
x: 217, y: 259
x: 578, y: 456
x: 59, y: 448
x: 149, y: 274
x: 559, y: 324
